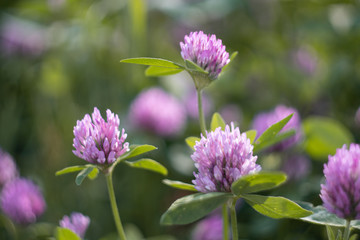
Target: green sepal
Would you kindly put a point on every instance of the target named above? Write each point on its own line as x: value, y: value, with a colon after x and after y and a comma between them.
x: 136, y: 150
x: 275, y: 207
x: 193, y: 207
x: 322, y: 217
x: 148, y: 164
x: 65, y: 234
x: 179, y: 185
x: 70, y: 169
x: 84, y: 173
x: 251, y: 134
x: 191, y: 66
x: 191, y: 141
x: 155, y: 71
x: 217, y: 121
x: 267, y: 138
x: 153, y: 62
x: 258, y: 182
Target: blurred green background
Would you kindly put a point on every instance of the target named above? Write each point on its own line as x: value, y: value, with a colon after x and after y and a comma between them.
x: 60, y: 58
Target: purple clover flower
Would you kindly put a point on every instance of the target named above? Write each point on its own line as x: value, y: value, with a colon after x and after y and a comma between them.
x: 341, y: 191
x: 221, y: 158
x: 210, y: 228
x: 206, y: 51
x: 22, y: 201
x: 264, y: 120
x: 158, y: 112
x: 77, y: 222
x: 98, y: 141
x: 8, y: 169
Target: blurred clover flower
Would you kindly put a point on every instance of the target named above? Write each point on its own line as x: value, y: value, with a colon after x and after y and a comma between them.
x: 221, y: 158
x: 264, y: 120
x: 296, y: 167
x: 305, y: 60
x: 206, y: 51
x: 22, y: 201
x: 158, y: 112
x: 341, y: 191
x: 8, y: 169
x: 210, y: 228
x: 98, y: 141
x: 77, y: 222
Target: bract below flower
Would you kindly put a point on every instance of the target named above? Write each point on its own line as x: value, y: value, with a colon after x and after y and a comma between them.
x: 98, y: 141
x: 158, y: 112
x: 206, y: 51
x: 77, y: 222
x: 221, y: 158
x: 8, y: 169
x: 22, y: 201
x: 341, y: 191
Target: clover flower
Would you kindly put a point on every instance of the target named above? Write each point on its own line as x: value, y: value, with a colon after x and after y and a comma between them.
x: 206, y: 51
x: 8, y: 169
x: 22, y: 201
x: 98, y: 141
x: 341, y: 191
x: 77, y: 222
x: 158, y: 112
x: 264, y: 120
x: 221, y: 158
x: 210, y: 228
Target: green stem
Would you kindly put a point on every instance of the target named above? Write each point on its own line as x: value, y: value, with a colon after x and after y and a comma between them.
x: 201, y: 113
x: 114, y: 207
x: 233, y: 220
x: 347, y: 230
x: 225, y: 222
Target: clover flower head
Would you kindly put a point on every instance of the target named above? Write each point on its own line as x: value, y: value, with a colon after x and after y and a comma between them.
x: 341, y: 191
x: 8, y: 169
x: 158, y: 112
x: 264, y: 120
x: 77, y: 222
x: 210, y: 228
x: 22, y: 201
x: 206, y: 51
x: 221, y: 158
x: 98, y: 141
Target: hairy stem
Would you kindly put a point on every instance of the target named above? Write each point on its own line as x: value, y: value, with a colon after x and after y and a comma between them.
x: 234, y: 220
x: 201, y: 113
x: 225, y: 222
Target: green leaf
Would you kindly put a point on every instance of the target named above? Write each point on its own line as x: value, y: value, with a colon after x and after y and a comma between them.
x: 323, y: 217
x: 330, y: 233
x: 70, y: 170
x: 257, y: 182
x: 179, y: 185
x: 278, y: 138
x: 154, y: 71
x: 191, y: 66
x: 148, y: 164
x: 233, y: 55
x: 339, y: 235
x: 275, y: 207
x: 217, y: 121
x: 191, y: 141
x: 93, y: 174
x: 251, y: 134
x: 193, y: 207
x: 354, y: 237
x: 323, y: 136
x: 65, y: 234
x: 267, y: 137
x: 153, y: 62
x: 83, y: 174
x: 136, y: 150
